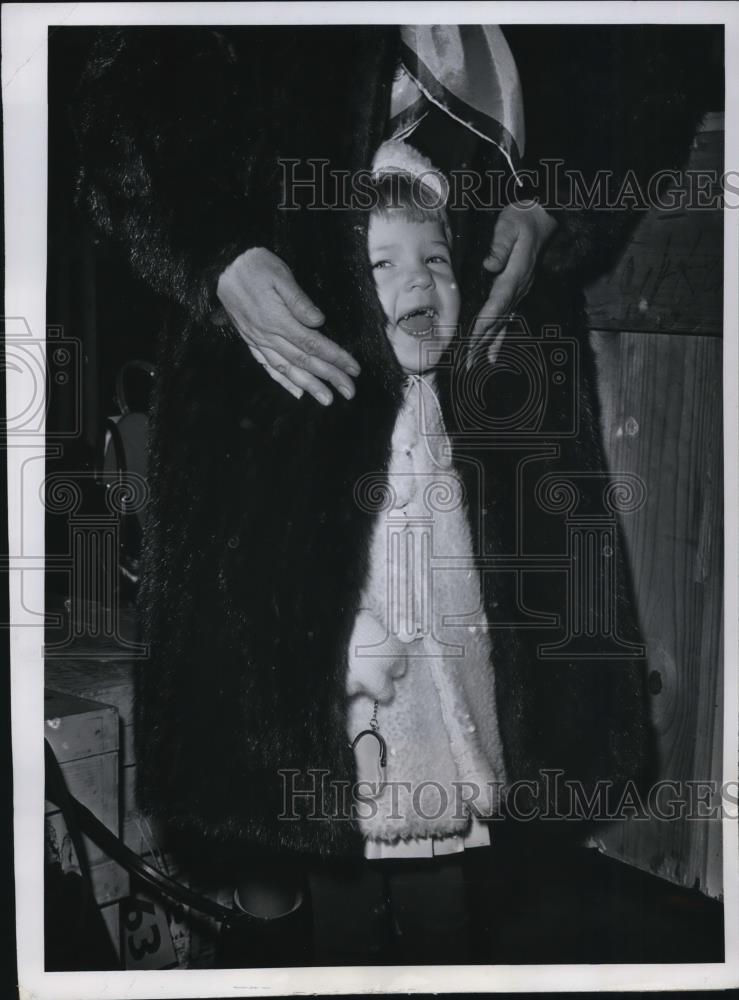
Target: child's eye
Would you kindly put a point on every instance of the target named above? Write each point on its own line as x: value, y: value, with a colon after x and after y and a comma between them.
x: 437, y: 259
x: 381, y: 263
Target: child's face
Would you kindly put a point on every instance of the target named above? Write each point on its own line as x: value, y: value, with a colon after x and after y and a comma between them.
x: 416, y: 285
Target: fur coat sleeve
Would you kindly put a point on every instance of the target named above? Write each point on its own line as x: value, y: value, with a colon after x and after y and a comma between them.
x: 172, y: 130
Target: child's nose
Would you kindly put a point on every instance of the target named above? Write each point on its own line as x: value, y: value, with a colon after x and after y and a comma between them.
x: 420, y: 277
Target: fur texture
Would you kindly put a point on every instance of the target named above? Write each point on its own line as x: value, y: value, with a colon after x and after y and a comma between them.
x: 256, y: 549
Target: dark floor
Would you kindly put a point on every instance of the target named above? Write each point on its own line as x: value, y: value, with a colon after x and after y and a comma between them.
x: 532, y: 904
x: 578, y: 906
x: 559, y: 906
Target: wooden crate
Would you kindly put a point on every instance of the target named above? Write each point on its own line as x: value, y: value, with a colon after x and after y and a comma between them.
x: 78, y: 727
x: 110, y: 682
x: 84, y: 737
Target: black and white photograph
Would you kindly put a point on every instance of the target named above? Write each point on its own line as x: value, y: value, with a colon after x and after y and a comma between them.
x: 371, y: 430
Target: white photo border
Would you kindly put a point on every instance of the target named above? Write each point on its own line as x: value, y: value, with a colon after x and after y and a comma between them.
x: 24, y: 76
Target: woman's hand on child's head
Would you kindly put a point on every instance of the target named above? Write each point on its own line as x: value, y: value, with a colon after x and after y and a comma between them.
x: 376, y: 660
x: 280, y: 326
x: 520, y: 234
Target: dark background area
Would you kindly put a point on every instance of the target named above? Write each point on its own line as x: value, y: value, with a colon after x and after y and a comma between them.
x: 92, y: 299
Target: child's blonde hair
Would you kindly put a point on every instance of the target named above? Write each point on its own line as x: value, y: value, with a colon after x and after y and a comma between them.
x: 405, y: 181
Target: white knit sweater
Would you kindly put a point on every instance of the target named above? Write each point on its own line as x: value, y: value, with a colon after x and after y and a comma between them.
x: 421, y: 641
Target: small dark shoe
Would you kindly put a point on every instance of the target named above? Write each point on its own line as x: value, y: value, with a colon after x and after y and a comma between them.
x: 249, y: 942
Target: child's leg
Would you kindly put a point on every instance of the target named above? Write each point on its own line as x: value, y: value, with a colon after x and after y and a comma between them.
x: 350, y: 915
x: 430, y: 910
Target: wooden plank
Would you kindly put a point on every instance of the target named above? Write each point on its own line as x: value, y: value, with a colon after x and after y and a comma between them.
x: 670, y: 276
x: 714, y: 874
x: 111, y: 916
x: 662, y: 420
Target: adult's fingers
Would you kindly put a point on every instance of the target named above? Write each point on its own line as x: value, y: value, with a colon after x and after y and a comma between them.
x: 294, y: 390
x: 303, y: 360
x: 511, y: 284
x: 300, y: 305
x: 502, y: 298
x: 312, y: 342
x: 301, y: 312
x: 492, y: 316
x: 506, y: 292
x: 287, y: 363
x: 281, y: 379
x: 505, y: 235
x: 300, y: 377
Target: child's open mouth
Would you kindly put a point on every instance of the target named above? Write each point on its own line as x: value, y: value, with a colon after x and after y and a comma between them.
x: 418, y: 322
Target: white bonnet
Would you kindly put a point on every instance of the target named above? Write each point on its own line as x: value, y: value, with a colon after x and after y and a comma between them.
x: 396, y: 157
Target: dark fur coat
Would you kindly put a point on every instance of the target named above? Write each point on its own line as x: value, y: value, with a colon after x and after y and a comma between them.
x: 256, y: 545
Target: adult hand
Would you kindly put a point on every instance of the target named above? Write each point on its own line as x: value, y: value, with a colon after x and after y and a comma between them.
x: 520, y: 234
x: 280, y: 326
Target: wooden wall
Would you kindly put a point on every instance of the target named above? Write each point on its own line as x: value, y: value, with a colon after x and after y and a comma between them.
x: 656, y: 328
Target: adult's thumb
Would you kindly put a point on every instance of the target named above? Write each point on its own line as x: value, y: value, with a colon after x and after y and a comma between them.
x: 301, y: 307
x: 494, y: 262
